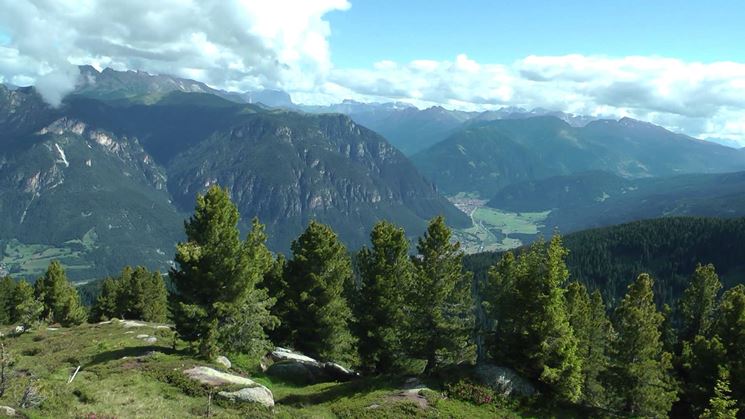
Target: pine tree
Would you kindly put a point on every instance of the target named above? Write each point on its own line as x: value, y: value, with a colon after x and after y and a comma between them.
x: 154, y: 300
x: 216, y: 277
x: 729, y: 325
x: 386, y: 273
x: 441, y: 303
x: 105, y: 307
x: 698, y: 302
x: 721, y: 405
x: 7, y: 288
x: 61, y: 300
x: 700, y: 361
x: 27, y: 309
x: 318, y: 316
x: 641, y: 369
x: 593, y: 331
x: 533, y: 331
x: 135, y: 294
x: 276, y: 286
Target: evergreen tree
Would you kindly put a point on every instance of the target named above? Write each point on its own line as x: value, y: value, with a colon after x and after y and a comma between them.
x: 442, y: 307
x: 700, y: 362
x: 276, y: 286
x: 721, y: 405
x: 641, y: 369
x: 698, y: 302
x: 216, y: 277
x: 386, y: 272
x: 729, y: 325
x: 26, y: 308
x: 7, y: 289
x: 318, y: 316
x: 533, y: 331
x: 593, y: 331
x: 60, y: 299
x: 135, y: 294
x: 105, y: 307
x: 154, y: 300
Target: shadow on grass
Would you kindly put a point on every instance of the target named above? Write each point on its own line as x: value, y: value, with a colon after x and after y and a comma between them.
x: 342, y: 390
x: 130, y: 352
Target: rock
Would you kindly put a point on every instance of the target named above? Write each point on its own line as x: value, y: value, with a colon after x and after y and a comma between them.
x: 19, y: 329
x: 296, y: 372
x: 132, y: 323
x: 338, y: 373
x: 301, y: 369
x: 284, y: 354
x: 224, y: 361
x: 141, y: 336
x: 504, y: 380
x: 258, y: 394
x: 52, y: 329
x: 213, y: 377
x: 7, y: 411
x: 151, y: 339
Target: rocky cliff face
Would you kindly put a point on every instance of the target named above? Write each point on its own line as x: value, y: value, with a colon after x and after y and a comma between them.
x: 289, y: 168
x: 110, y: 183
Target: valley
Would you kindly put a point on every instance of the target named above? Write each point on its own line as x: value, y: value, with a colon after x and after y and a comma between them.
x: 494, y: 229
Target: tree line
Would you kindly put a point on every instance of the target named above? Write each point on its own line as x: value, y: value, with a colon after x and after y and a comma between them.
x: 389, y: 309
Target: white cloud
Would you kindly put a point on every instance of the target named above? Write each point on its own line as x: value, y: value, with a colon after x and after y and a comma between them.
x: 700, y: 99
x: 233, y: 44
x: 248, y: 44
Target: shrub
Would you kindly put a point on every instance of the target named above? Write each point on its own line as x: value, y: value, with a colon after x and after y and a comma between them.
x: 470, y: 392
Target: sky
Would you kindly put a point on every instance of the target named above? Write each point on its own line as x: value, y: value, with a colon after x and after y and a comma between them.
x: 679, y: 64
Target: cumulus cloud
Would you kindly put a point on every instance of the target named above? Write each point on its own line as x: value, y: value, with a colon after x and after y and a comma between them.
x: 232, y: 44
x: 243, y: 45
x: 701, y: 99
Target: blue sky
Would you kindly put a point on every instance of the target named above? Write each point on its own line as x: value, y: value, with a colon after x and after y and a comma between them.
x: 504, y: 31
x: 679, y: 64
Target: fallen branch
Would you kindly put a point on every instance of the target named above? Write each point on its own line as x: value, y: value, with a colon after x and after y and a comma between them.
x: 73, y: 375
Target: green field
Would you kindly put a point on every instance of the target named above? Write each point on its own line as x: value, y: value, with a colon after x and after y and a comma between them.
x: 31, y: 260
x: 494, y: 229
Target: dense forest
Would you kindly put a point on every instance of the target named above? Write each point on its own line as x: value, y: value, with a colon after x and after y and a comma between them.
x: 608, y: 259
x: 585, y: 320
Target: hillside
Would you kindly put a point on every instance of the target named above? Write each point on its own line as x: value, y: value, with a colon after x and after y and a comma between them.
x: 485, y: 157
x: 610, y: 258
x: 80, y: 194
x: 597, y: 199
x: 410, y: 129
x: 122, y: 375
x: 84, y: 183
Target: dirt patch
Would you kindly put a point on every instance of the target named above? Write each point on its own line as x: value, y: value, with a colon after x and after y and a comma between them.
x: 410, y: 395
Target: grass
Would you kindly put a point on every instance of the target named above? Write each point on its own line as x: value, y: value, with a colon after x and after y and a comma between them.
x: 494, y: 229
x: 122, y: 376
x: 31, y: 260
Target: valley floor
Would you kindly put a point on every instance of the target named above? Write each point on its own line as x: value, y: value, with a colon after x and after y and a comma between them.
x: 494, y: 229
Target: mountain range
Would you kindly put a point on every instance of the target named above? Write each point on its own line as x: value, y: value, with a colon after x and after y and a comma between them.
x: 486, y: 156
x: 107, y: 178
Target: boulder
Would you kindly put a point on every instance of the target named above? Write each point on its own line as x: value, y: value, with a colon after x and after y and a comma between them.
x: 297, y: 372
x: 258, y: 394
x: 132, y: 323
x: 284, y: 354
x: 224, y: 361
x: 141, y: 336
x: 504, y: 380
x: 7, y: 411
x: 336, y: 372
x: 301, y: 369
x: 213, y: 377
x: 151, y: 339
